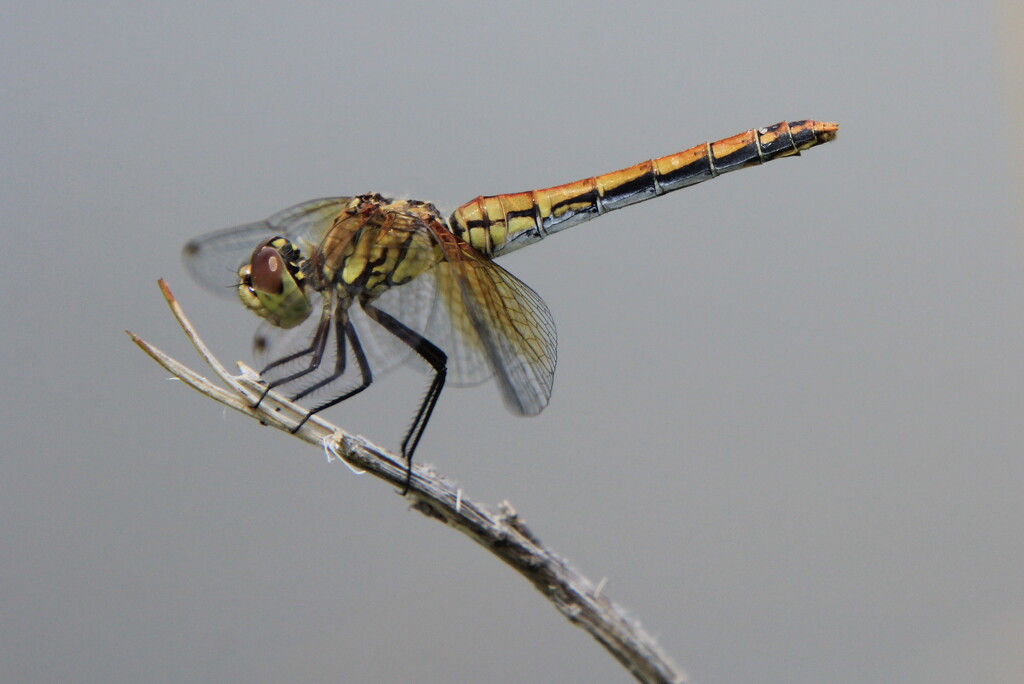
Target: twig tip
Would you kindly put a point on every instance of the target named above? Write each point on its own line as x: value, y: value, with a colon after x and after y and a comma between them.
x: 168, y: 295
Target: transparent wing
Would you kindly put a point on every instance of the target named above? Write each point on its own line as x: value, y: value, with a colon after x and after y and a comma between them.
x: 213, y: 259
x: 491, y: 323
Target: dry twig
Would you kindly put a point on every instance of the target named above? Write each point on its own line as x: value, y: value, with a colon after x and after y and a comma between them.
x: 504, y: 534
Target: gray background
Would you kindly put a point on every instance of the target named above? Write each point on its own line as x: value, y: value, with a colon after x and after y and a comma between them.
x: 786, y: 424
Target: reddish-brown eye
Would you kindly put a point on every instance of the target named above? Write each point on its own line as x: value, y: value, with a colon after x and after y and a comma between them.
x: 267, y: 271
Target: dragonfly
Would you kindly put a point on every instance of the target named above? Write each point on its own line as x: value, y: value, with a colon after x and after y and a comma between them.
x: 350, y: 287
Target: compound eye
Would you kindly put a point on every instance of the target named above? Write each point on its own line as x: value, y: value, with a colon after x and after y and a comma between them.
x: 267, y: 271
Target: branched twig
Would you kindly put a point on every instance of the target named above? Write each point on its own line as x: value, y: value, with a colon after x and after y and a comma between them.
x: 504, y: 534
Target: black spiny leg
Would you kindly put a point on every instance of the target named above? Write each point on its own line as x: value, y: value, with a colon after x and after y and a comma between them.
x: 315, y: 349
x: 437, y: 359
x: 344, y: 330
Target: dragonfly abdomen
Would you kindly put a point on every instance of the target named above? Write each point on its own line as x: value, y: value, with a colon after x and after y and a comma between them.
x: 501, y: 223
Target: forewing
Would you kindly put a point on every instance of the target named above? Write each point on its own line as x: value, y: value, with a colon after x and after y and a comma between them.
x: 491, y: 323
x: 213, y: 259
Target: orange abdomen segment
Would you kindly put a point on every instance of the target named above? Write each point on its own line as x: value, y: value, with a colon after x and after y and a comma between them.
x: 501, y: 223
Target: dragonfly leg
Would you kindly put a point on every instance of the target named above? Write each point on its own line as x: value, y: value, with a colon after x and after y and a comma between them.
x: 315, y: 351
x: 345, y: 330
x: 438, y: 361
x: 342, y: 331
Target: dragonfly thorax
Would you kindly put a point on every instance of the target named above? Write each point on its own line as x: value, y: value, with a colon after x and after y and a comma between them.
x: 273, y: 286
x: 375, y: 244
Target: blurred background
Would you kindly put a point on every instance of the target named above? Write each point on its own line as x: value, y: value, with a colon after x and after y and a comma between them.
x: 786, y: 420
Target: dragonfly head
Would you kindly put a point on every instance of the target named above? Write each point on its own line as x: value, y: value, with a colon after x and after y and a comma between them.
x: 273, y: 286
